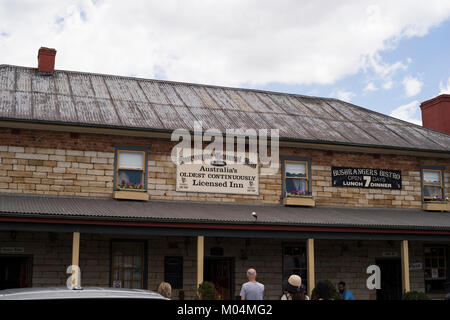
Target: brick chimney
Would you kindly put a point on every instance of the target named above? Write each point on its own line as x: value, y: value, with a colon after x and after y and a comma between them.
x: 46, y: 60
x: 436, y: 113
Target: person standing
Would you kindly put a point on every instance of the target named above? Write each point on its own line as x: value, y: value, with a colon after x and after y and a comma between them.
x: 321, y: 291
x: 295, y: 289
x: 165, y: 289
x: 252, y: 290
x: 344, y: 292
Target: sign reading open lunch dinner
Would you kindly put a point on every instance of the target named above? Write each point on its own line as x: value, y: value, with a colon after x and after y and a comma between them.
x: 218, y: 177
x: 366, y: 178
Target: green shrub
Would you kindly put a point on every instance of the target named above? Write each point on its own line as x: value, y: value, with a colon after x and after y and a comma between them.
x: 207, y: 291
x: 415, y: 295
x: 332, y: 291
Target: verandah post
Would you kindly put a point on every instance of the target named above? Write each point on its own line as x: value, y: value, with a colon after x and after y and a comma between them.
x: 75, y: 257
x: 310, y: 265
x: 405, y: 266
x: 200, y: 259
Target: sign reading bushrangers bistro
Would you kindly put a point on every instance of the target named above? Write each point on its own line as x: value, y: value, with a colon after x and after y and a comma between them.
x: 218, y: 178
x: 366, y: 178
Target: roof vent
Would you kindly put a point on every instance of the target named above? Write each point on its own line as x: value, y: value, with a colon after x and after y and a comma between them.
x: 46, y: 60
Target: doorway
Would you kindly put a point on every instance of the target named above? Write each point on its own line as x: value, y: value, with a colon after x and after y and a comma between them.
x: 15, y: 272
x: 220, y: 271
x: 391, y: 279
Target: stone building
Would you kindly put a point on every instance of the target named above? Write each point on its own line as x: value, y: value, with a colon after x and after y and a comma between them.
x: 355, y: 188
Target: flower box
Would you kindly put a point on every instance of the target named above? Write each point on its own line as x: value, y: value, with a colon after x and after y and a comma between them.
x: 436, y: 206
x: 131, y: 195
x: 131, y: 186
x: 306, y: 201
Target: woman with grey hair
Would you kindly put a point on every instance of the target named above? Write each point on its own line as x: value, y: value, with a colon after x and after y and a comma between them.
x: 165, y: 289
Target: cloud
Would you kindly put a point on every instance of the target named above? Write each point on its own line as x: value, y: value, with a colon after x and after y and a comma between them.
x: 385, y: 71
x: 370, y: 87
x: 408, y: 112
x: 232, y: 42
x: 412, y: 86
x: 388, y: 84
x: 343, y: 95
x: 444, y: 88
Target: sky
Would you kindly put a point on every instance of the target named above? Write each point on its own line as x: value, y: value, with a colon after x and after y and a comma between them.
x: 387, y: 56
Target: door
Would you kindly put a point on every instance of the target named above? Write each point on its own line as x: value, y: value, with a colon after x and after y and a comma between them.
x: 391, y: 279
x: 219, y: 271
x: 129, y: 264
x: 15, y: 272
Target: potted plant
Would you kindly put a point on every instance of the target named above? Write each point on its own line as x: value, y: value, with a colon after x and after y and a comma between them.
x: 332, y: 291
x: 131, y: 186
x: 131, y: 191
x: 207, y: 291
x: 296, y: 197
x: 415, y: 295
x: 437, y: 204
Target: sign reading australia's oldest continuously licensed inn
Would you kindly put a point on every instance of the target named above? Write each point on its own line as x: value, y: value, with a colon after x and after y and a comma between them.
x: 218, y: 177
x: 366, y: 178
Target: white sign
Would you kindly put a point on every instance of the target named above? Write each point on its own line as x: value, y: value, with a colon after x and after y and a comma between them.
x: 218, y: 177
x: 12, y: 250
x: 415, y: 266
x: 434, y: 273
x: 390, y: 254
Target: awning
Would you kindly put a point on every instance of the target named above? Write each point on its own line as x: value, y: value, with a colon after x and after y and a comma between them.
x: 220, y: 216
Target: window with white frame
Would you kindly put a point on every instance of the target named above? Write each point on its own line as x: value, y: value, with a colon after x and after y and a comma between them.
x: 432, y: 182
x: 131, y: 170
x: 296, y: 177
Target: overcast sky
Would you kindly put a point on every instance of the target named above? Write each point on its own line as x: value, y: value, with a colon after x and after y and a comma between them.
x: 387, y: 56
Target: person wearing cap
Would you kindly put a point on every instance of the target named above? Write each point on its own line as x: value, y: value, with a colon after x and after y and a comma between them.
x: 295, y: 289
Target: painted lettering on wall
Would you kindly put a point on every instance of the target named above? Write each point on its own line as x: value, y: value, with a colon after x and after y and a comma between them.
x: 366, y: 178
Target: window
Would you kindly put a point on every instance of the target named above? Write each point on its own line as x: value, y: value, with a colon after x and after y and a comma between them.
x: 128, y: 267
x: 435, y: 268
x: 432, y: 183
x: 131, y: 169
x: 294, y: 262
x: 296, y: 176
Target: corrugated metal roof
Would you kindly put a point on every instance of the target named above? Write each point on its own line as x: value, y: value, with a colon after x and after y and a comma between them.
x: 220, y: 213
x: 113, y: 101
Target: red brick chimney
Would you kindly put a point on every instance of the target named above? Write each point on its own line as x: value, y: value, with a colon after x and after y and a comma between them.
x: 46, y: 60
x: 436, y: 113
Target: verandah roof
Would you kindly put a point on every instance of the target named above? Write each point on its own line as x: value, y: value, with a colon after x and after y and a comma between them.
x: 173, y: 212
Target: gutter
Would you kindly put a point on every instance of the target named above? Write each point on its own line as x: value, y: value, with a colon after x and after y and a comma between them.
x: 214, y: 224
